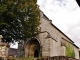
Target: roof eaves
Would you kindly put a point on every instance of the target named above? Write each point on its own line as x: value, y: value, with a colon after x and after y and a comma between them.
x: 76, y: 46
x: 62, y: 32
x: 57, y: 28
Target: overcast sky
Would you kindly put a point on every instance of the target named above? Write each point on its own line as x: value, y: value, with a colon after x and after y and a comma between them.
x: 65, y: 15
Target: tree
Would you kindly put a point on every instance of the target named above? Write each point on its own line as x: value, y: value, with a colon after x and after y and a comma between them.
x: 19, y: 19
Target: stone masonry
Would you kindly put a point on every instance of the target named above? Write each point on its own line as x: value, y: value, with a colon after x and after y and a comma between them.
x: 50, y: 42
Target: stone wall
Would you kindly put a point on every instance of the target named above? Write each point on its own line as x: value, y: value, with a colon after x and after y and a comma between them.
x: 3, y: 49
x: 57, y: 58
x: 53, y: 41
x: 45, y: 58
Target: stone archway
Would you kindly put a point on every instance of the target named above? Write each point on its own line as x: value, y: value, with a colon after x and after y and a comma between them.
x: 32, y: 48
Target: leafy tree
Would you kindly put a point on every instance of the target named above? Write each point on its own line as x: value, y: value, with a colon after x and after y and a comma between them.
x: 70, y: 51
x: 19, y: 19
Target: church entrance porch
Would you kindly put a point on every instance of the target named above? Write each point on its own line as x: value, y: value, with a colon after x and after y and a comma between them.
x: 32, y: 48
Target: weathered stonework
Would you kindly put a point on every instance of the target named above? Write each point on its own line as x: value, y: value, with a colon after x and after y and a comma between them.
x: 3, y: 48
x: 50, y: 42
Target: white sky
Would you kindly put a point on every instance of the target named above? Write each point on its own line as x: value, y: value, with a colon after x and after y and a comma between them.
x: 65, y: 15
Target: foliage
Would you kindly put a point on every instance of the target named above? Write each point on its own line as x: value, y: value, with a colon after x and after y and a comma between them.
x: 19, y: 19
x: 70, y: 51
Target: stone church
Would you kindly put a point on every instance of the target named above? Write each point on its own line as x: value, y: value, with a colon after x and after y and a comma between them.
x: 50, y: 42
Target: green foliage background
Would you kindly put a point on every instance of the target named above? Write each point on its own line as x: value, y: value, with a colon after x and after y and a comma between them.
x: 19, y: 19
x: 69, y: 51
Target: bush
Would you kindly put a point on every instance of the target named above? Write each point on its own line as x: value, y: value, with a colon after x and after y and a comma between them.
x: 70, y: 51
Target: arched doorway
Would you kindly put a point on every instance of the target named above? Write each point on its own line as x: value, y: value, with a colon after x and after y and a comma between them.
x: 36, y: 53
x: 32, y: 48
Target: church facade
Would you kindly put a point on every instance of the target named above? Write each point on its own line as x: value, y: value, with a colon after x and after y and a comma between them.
x: 50, y: 42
